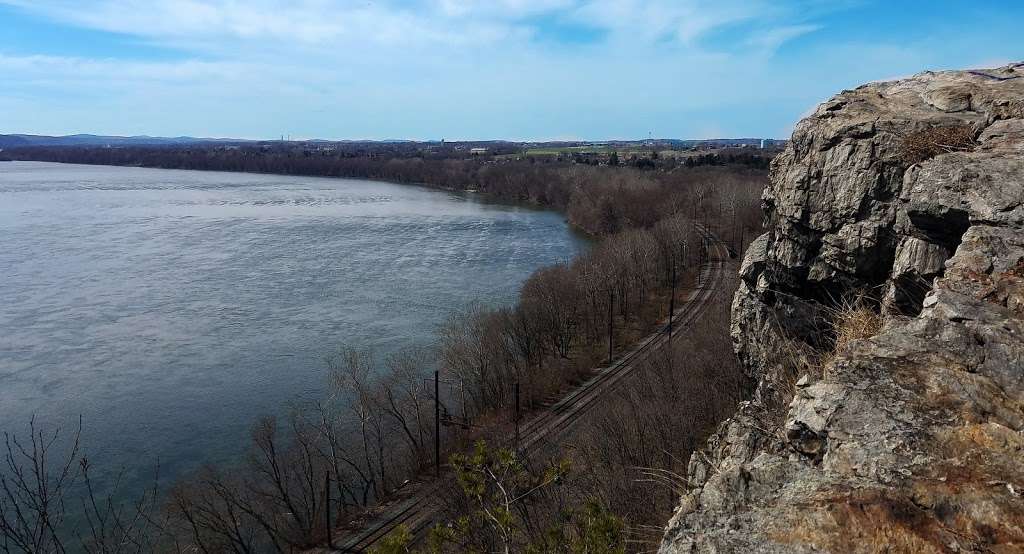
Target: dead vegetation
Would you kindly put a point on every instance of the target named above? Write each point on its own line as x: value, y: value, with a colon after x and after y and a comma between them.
x: 925, y: 144
x: 851, y: 319
x: 629, y: 456
x: 633, y: 454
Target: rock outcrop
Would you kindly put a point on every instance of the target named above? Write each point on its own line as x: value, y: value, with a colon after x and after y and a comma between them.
x: 911, y: 440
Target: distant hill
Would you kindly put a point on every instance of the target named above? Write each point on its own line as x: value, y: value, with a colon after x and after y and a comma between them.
x: 11, y: 141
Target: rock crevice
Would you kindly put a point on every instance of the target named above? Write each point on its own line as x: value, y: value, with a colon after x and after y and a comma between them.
x: 911, y: 440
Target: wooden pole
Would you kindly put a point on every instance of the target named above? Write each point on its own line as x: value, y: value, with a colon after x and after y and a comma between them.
x: 327, y: 509
x: 517, y: 416
x: 611, y: 302
x: 437, y: 426
x: 672, y: 299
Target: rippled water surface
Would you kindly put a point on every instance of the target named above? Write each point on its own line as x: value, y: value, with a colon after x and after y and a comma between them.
x: 171, y: 308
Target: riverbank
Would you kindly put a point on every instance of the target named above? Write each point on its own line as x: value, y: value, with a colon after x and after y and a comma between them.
x: 545, y: 342
x: 599, y: 200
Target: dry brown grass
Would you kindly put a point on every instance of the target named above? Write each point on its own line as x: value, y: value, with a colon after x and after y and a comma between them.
x: 919, y: 146
x: 855, y: 321
x: 852, y: 320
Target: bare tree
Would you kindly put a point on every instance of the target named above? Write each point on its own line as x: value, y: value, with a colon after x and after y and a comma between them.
x: 35, y: 489
x: 44, y: 477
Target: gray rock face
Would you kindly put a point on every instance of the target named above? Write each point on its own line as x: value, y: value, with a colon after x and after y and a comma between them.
x: 911, y: 440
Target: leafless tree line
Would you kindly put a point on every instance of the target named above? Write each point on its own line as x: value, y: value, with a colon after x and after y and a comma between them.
x: 334, y: 458
x: 633, y: 453
x: 561, y: 323
x: 324, y: 461
x: 629, y: 455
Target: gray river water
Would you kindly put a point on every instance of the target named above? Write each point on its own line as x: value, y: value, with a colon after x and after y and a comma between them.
x: 171, y: 308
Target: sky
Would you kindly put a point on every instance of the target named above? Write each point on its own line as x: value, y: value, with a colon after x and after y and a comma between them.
x: 470, y: 69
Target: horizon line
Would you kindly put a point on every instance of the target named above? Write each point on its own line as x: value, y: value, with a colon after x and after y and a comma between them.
x: 415, y: 140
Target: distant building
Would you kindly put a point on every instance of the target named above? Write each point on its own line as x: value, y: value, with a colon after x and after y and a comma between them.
x: 477, y: 151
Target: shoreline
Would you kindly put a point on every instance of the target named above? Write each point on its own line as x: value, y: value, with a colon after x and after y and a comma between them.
x: 484, y: 196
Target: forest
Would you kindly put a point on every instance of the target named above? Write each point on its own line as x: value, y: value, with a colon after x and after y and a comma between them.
x: 608, y: 488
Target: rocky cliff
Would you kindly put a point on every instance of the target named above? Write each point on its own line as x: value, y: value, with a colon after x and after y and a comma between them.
x: 908, y: 193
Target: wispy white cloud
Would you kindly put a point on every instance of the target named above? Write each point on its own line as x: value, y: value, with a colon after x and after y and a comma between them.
x: 767, y: 41
x: 683, y: 20
x: 365, y: 61
x: 500, y: 9
x: 306, y: 22
x: 64, y: 68
x: 433, y: 68
x: 388, y: 22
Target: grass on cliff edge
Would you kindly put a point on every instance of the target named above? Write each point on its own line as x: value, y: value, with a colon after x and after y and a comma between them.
x: 852, y: 319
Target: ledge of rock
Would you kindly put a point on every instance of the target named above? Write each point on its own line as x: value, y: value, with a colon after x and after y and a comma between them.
x: 911, y: 440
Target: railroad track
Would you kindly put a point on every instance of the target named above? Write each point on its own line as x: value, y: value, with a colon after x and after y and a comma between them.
x: 418, y: 512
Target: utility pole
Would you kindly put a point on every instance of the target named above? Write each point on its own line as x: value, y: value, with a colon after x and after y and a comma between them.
x: 703, y: 259
x: 517, y: 415
x: 462, y: 392
x: 327, y: 506
x: 672, y: 298
x: 437, y: 425
x: 733, y: 206
x: 611, y: 303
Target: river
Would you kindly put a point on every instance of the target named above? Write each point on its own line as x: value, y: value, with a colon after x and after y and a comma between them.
x: 169, y: 309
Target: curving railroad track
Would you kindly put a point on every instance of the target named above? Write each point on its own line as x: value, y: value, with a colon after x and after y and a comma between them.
x: 419, y: 511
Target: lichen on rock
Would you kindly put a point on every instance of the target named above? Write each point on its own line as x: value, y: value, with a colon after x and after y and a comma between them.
x: 911, y: 440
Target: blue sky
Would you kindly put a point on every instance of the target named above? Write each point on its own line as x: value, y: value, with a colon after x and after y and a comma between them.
x: 469, y: 69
